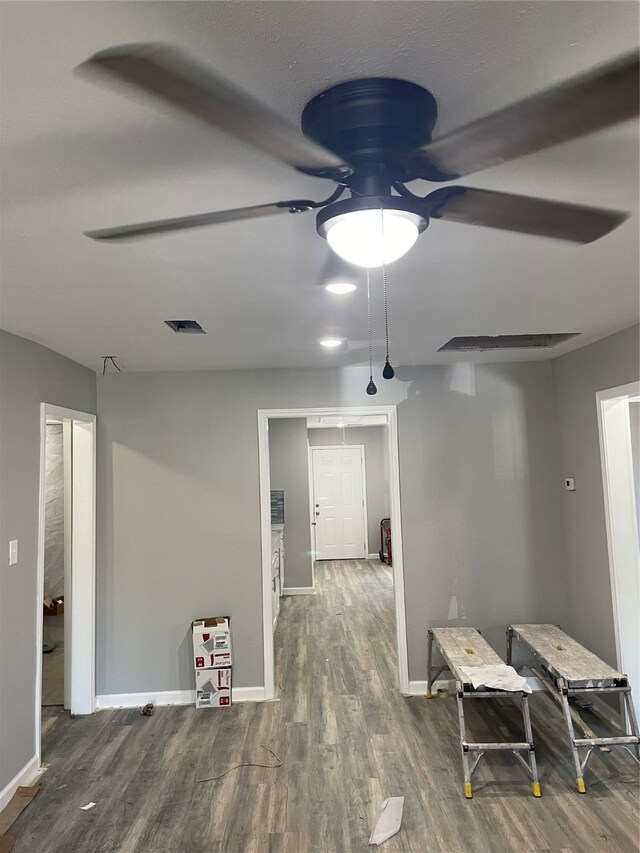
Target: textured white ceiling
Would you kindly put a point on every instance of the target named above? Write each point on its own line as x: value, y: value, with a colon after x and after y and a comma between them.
x: 76, y: 157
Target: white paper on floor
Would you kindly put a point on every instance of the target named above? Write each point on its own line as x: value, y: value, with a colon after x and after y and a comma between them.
x: 499, y: 676
x: 87, y: 807
x: 388, y: 820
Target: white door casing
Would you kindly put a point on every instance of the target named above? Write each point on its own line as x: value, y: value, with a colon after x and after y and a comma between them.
x: 621, y: 524
x: 390, y: 412
x: 338, y: 509
x: 80, y: 430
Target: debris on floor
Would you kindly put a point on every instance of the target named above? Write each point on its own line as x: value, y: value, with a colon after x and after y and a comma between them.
x: 87, y: 807
x: 248, y: 764
x: 388, y: 820
x: 148, y: 710
x: 15, y: 806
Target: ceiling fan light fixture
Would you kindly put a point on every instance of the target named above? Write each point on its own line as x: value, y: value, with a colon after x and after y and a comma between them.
x: 354, y: 229
x: 340, y: 287
x: 332, y: 343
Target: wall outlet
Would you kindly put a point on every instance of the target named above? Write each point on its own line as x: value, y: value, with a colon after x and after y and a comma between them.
x: 13, y: 552
x: 570, y: 484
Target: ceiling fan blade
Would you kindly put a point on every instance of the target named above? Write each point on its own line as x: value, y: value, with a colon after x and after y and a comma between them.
x: 168, y: 74
x: 600, y: 98
x: 161, y: 226
x: 523, y: 214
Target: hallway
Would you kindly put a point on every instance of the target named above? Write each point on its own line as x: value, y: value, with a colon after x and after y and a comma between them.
x: 346, y: 739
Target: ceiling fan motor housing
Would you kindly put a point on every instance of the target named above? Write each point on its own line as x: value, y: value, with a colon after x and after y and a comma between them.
x: 375, y: 124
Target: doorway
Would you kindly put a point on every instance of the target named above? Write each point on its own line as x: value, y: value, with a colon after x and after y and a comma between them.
x: 66, y: 564
x: 338, y: 501
x: 388, y: 417
x: 57, y: 536
x: 618, y: 418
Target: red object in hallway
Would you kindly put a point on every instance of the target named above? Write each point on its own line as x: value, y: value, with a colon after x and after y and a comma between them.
x: 385, y: 541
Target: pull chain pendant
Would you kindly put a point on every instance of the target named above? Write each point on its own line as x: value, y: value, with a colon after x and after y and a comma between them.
x: 371, y: 387
x: 387, y: 371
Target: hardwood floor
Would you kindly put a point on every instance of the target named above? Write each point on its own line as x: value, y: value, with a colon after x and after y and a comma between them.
x: 347, y: 740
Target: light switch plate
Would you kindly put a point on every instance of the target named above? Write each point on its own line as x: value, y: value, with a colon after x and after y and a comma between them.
x: 570, y: 484
x: 13, y: 552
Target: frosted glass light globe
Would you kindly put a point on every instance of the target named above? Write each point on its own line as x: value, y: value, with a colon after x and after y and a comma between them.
x: 340, y: 287
x: 357, y: 236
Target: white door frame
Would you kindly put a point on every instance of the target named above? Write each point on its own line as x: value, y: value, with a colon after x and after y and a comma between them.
x: 365, y: 508
x: 620, y: 509
x: 264, y: 415
x: 82, y: 560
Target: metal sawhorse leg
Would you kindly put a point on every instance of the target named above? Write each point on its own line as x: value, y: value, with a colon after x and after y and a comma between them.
x: 561, y: 689
x: 466, y: 746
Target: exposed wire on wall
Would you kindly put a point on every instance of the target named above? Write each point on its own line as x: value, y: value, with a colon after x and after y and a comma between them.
x: 107, y: 360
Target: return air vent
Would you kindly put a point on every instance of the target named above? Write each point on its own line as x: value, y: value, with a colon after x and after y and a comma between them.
x: 185, y: 327
x: 478, y: 343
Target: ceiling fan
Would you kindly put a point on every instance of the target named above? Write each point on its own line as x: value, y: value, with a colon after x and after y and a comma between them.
x: 372, y: 136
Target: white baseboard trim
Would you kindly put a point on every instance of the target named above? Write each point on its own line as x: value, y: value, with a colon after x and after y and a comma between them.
x: 299, y: 590
x: 248, y: 694
x: 137, y: 700
x: 171, y: 697
x: 600, y: 707
x: 27, y: 776
x: 419, y: 688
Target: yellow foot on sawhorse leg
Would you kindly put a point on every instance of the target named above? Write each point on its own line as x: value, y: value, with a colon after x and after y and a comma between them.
x: 467, y: 790
x: 580, y: 785
x: 535, y: 789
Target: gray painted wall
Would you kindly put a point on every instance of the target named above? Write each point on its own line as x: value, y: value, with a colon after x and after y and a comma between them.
x: 179, y: 526
x: 377, y: 470
x: 577, y: 377
x: 290, y: 471
x: 634, y: 425
x: 54, y: 512
x: 29, y: 375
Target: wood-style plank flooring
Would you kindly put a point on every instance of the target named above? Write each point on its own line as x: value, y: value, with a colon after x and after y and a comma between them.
x: 347, y: 740
x: 53, y: 677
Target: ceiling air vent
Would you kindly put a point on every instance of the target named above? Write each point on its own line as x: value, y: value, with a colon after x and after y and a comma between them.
x: 185, y: 327
x: 476, y: 343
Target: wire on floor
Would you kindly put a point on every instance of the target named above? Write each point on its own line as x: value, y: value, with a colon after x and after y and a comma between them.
x: 248, y: 764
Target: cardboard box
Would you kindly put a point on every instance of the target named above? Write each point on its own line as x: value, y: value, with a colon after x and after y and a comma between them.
x: 54, y: 606
x: 213, y: 687
x: 212, y: 642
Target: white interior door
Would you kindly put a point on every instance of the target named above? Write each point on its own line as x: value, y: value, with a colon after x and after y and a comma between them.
x: 338, y: 503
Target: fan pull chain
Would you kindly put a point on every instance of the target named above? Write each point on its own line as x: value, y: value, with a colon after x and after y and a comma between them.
x: 371, y: 387
x: 387, y: 371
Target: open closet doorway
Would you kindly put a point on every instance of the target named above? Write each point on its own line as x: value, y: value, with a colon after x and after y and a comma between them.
x: 288, y: 511
x: 57, y: 558
x: 65, y: 611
